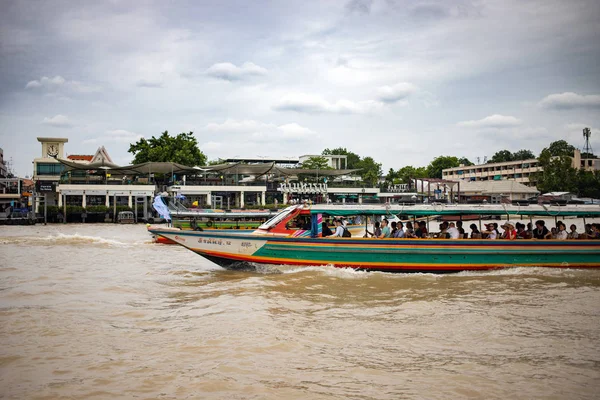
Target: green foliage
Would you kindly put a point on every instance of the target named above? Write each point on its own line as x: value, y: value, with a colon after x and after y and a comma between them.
x: 506, y: 155
x: 182, y: 149
x: 74, y: 209
x: 316, y: 163
x: 121, y: 208
x: 405, y: 174
x: 353, y: 158
x: 523, y: 155
x: 588, y: 183
x: 465, y: 161
x: 501, y: 156
x: 313, y: 163
x: 561, y: 148
x: 435, y: 167
x: 97, y: 209
x: 50, y: 210
x: 558, y: 175
x: 370, y: 170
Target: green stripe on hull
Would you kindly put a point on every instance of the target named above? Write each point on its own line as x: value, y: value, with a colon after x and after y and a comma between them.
x: 428, y: 256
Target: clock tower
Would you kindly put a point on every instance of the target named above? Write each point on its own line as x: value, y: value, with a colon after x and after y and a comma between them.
x: 52, y: 147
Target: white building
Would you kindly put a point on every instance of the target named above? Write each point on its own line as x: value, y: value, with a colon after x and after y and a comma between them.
x: 77, y: 190
x: 522, y: 171
x: 335, y: 161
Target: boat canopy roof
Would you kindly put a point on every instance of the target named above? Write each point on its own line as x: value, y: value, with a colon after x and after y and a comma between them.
x: 423, y: 210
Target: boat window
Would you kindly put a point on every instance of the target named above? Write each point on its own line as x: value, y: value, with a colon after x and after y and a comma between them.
x: 277, y: 218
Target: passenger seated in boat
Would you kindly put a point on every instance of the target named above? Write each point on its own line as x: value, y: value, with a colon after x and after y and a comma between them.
x: 521, y: 232
x: 394, y: 226
x: 573, y: 234
x: 442, y: 234
x: 561, y: 233
x: 553, y: 231
x: 339, y: 229
x: 587, y: 231
x: 595, y: 234
x: 410, y: 232
x: 326, y: 230
x: 306, y: 224
x: 385, y: 229
x: 376, y: 230
x: 529, y: 231
x: 459, y: 226
x: 490, y: 232
x: 540, y: 231
x: 509, y: 231
x: 399, y: 234
x: 453, y: 232
x: 422, y: 230
x: 475, y: 234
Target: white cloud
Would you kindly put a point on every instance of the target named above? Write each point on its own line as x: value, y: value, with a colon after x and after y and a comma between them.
x: 313, y: 104
x: 115, y: 136
x: 570, y: 100
x: 58, y: 121
x: 395, y: 93
x: 150, y: 83
x: 496, y: 121
x: 230, y: 72
x: 234, y: 126
x: 260, y: 131
x: 58, y: 83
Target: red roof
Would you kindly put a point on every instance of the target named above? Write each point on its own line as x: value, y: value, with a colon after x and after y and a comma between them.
x: 80, y: 158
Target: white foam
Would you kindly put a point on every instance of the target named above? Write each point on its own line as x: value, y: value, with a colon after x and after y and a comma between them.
x: 69, y: 239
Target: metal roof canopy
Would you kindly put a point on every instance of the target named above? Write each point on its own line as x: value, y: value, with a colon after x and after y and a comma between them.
x: 234, y: 168
x: 458, y: 210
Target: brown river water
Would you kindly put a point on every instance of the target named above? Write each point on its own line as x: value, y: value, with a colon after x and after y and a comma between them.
x: 99, y: 312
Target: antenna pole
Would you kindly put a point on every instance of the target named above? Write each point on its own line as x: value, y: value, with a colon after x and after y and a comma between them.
x: 587, y: 148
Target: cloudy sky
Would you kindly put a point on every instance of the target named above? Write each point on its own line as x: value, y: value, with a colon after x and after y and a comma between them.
x: 401, y: 81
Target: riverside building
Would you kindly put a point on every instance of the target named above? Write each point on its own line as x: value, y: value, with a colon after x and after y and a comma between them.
x: 522, y: 171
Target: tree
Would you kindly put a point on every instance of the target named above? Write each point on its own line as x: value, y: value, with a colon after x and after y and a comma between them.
x: 501, y: 156
x: 588, y: 183
x: 370, y: 171
x: 522, y: 155
x: 465, y: 161
x: 353, y: 158
x: 435, y: 167
x: 392, y: 177
x: 182, y: 149
x: 405, y: 174
x: 557, y: 175
x: 561, y: 148
x: 316, y: 163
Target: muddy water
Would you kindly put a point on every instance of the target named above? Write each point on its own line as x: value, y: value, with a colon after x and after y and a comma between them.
x: 99, y: 312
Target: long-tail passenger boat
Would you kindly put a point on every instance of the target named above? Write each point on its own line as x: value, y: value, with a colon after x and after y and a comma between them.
x: 279, y: 241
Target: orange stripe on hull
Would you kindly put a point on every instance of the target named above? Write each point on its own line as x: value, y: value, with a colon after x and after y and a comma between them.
x: 389, y: 266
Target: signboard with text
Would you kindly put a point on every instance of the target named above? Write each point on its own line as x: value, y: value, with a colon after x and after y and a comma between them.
x: 46, y: 186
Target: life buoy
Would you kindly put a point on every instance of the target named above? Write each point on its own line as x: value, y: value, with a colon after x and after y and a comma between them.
x: 209, y: 223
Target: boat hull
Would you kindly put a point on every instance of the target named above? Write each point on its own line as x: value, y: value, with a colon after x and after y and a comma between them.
x: 402, y: 255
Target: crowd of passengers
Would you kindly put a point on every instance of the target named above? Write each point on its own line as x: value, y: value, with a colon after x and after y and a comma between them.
x: 454, y: 230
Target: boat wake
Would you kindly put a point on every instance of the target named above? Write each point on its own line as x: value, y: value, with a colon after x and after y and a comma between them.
x: 65, y: 240
x: 351, y: 273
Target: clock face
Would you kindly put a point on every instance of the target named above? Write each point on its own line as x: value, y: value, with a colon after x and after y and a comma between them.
x: 52, y: 150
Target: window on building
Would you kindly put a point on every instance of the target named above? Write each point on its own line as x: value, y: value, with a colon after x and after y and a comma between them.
x: 49, y: 169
